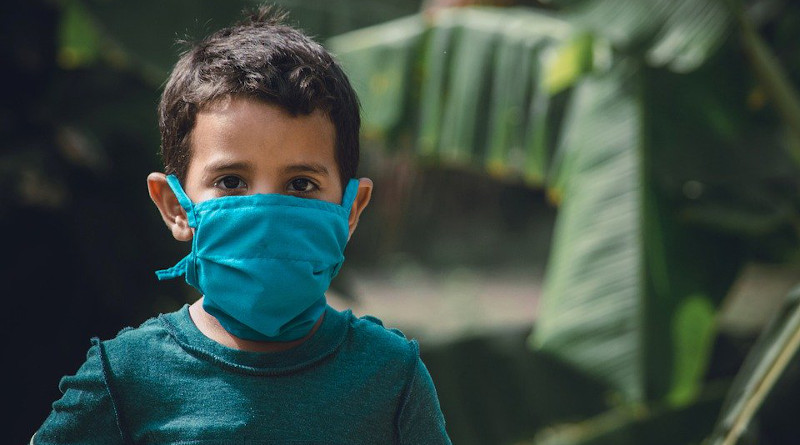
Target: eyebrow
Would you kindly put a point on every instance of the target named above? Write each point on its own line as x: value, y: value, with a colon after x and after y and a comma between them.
x: 302, y: 168
x: 228, y: 165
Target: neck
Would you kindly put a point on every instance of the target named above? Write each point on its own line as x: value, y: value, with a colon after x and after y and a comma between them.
x: 211, y: 328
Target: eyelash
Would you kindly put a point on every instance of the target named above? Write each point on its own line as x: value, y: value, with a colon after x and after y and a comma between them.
x: 219, y: 182
x: 314, y: 186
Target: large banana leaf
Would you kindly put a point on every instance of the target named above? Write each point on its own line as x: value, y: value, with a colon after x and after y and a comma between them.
x: 492, y: 84
x: 478, y: 97
x: 468, y: 89
x: 775, y: 350
x: 591, y: 314
x: 631, y: 290
x: 677, y: 34
x: 381, y: 63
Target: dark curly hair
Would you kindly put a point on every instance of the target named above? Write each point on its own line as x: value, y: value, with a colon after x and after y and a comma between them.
x: 264, y: 59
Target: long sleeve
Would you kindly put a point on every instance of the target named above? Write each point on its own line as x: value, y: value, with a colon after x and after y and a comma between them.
x: 421, y: 420
x: 85, y: 414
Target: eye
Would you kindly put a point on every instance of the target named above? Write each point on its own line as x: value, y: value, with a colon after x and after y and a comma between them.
x: 230, y: 183
x: 302, y: 186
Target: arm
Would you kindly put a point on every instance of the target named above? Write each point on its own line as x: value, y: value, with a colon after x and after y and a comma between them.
x: 421, y: 419
x: 85, y: 414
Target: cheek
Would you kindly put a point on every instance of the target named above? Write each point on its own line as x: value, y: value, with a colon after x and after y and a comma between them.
x: 197, y: 191
x: 333, y: 195
x: 198, y: 196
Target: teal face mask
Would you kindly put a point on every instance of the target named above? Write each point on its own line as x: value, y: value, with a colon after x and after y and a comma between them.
x: 263, y: 262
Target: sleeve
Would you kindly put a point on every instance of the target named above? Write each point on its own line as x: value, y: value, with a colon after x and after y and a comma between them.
x: 420, y: 418
x: 86, y: 413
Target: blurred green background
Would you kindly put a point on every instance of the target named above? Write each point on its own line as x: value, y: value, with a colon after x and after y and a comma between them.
x: 588, y: 211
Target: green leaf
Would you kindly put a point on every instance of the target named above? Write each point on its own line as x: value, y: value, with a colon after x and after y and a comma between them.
x: 559, y: 168
x: 693, y: 336
x: 462, y: 138
x: 591, y: 311
x: 79, y: 39
x: 434, y: 88
x: 573, y: 59
x: 677, y: 34
x: 545, y: 117
x: 630, y: 292
x: 478, y: 88
x: 766, y: 362
x: 509, y: 102
x: 691, y: 32
x: 380, y: 63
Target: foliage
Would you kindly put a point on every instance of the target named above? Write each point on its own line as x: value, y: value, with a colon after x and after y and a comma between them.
x: 596, y: 258
x: 647, y: 125
x: 768, y: 361
x: 454, y: 98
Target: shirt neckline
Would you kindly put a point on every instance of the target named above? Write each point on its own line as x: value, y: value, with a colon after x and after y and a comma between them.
x: 325, y: 341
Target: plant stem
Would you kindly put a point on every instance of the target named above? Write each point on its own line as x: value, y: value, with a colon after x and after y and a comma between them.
x: 769, y: 72
x: 763, y: 388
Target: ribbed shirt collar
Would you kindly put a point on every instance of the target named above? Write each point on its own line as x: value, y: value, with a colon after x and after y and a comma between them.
x: 329, y: 336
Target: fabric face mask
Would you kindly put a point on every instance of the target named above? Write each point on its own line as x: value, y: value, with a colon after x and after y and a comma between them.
x: 263, y: 262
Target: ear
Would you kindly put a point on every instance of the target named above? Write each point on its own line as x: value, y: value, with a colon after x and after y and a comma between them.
x: 360, y: 203
x: 171, y: 211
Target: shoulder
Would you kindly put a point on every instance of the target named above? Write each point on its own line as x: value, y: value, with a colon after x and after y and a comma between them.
x: 151, y: 332
x: 372, y: 348
x: 370, y: 333
x: 134, y: 347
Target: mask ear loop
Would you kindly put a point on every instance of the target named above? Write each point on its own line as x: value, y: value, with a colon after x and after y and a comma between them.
x: 183, y: 266
x: 174, y: 271
x: 183, y: 200
x: 350, y: 194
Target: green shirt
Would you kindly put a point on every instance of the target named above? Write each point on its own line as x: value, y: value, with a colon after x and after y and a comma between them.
x: 352, y: 382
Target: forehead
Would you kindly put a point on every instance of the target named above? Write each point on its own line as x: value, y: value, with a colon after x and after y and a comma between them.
x: 263, y: 134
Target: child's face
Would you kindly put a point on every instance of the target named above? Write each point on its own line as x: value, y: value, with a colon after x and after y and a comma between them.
x: 245, y: 146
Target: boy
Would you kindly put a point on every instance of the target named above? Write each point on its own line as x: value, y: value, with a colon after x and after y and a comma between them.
x: 259, y: 134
